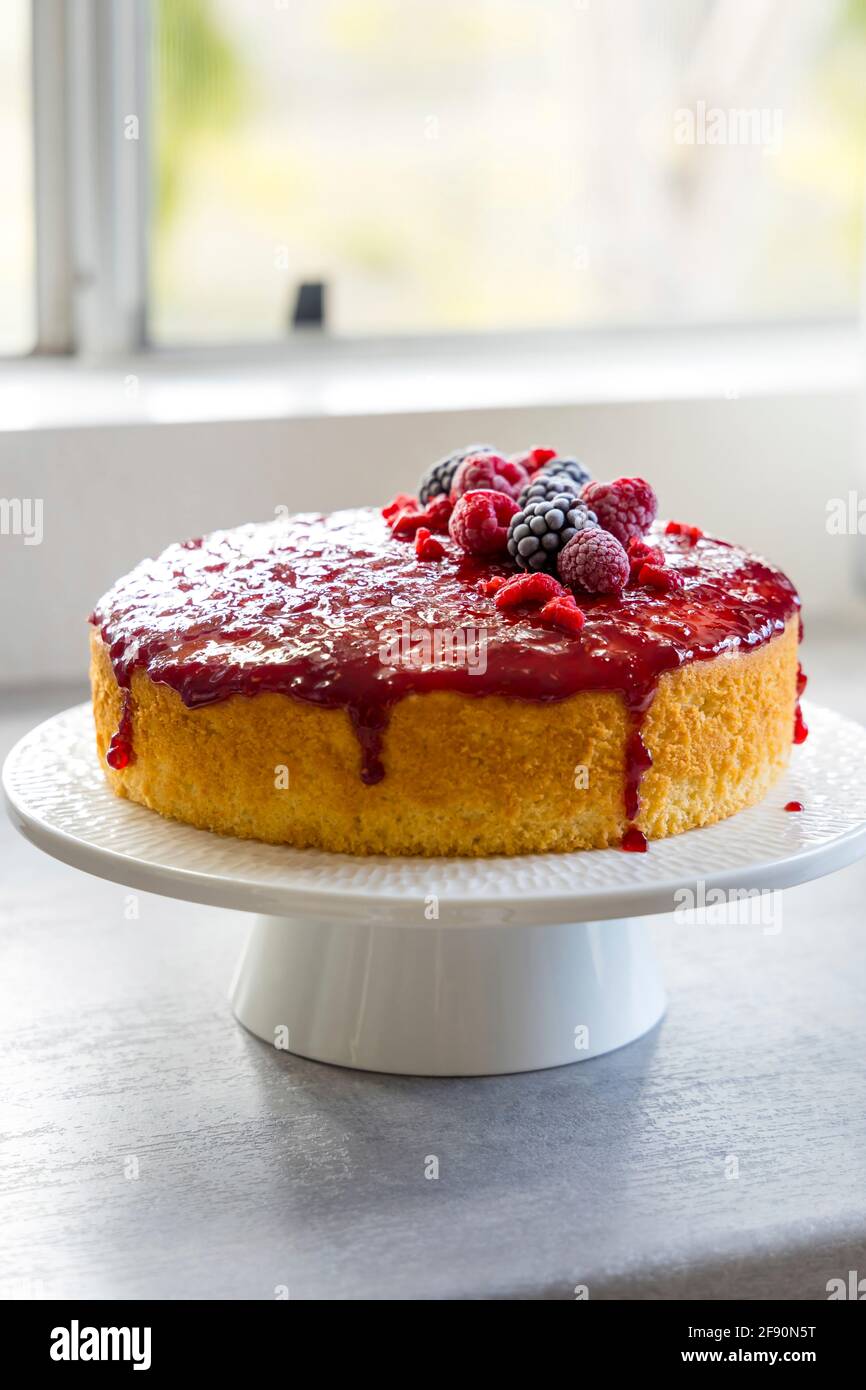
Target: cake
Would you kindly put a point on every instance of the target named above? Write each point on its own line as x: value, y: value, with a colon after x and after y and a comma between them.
x: 408, y: 683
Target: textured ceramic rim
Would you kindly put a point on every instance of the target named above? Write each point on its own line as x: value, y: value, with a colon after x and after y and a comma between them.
x: 58, y: 799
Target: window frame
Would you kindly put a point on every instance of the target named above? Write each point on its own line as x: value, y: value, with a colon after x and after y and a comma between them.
x: 90, y: 61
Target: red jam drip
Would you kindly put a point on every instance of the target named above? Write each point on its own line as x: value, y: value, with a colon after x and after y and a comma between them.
x: 638, y: 760
x: 305, y: 606
x: 634, y: 841
x: 801, y: 732
x: 793, y: 805
x: 802, y: 680
x: 119, y: 753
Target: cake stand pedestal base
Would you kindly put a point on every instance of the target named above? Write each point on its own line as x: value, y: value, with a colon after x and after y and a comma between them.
x: 454, y: 1001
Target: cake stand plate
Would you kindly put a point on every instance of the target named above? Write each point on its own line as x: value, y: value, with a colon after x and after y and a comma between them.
x: 444, y: 967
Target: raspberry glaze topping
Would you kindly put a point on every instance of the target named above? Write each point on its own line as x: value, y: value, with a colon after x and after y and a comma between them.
x: 300, y: 606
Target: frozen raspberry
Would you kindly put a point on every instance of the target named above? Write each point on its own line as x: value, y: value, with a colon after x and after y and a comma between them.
x: 594, y: 561
x: 479, y: 521
x: 528, y: 588
x: 658, y: 577
x: 626, y: 507
x: 401, y: 502
x: 438, y: 514
x: 562, y: 611
x: 679, y: 528
x: 640, y: 554
x: 488, y: 472
x: 426, y: 545
x: 533, y: 459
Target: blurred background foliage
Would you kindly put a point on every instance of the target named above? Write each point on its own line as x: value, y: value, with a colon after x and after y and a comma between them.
x: 201, y: 86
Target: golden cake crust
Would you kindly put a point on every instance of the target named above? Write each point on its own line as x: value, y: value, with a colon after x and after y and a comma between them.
x: 463, y: 775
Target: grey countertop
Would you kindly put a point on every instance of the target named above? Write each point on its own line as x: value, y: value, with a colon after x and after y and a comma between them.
x: 149, y: 1147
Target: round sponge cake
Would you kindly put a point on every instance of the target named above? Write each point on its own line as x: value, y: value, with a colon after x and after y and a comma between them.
x: 310, y: 681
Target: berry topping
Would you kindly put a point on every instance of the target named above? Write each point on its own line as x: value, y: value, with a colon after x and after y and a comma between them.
x: 528, y: 588
x: 626, y: 507
x: 640, y: 554
x: 490, y: 471
x: 679, y: 528
x: 404, y: 516
x: 544, y: 486
x: 533, y: 459
x: 401, y: 502
x: 479, y: 522
x: 658, y: 577
x: 793, y: 805
x: 594, y: 561
x: 438, y: 513
x: 406, y: 522
x: 426, y: 545
x: 568, y: 467
x: 562, y: 611
x: 541, y: 528
x: 439, y: 477
x: 488, y: 587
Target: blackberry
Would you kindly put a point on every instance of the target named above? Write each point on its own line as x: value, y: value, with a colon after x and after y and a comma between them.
x: 571, y: 468
x: 540, y: 530
x: 439, y: 477
x: 545, y: 486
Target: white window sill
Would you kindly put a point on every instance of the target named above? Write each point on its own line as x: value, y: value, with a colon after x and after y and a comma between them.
x: 315, y: 379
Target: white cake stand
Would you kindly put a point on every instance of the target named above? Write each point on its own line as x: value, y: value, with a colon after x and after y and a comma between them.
x: 443, y: 967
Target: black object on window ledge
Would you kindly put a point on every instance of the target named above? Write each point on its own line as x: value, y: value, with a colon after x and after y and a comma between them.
x: 309, y: 310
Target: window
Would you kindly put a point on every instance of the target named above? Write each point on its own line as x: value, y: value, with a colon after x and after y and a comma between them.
x: 236, y: 167
x: 446, y: 166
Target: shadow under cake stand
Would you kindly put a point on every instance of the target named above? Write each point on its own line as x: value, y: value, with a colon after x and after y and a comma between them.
x: 443, y: 967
